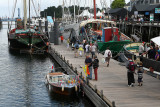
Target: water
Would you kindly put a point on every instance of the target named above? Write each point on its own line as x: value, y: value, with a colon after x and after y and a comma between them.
x: 22, y: 80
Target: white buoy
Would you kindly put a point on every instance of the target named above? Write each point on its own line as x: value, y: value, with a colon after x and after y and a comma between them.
x: 49, y: 87
x: 76, y: 88
x: 62, y: 88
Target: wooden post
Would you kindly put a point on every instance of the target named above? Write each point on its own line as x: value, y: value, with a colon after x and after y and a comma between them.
x: 95, y: 88
x: 87, y: 80
x: 102, y: 94
x: 76, y: 70
x: 113, y: 104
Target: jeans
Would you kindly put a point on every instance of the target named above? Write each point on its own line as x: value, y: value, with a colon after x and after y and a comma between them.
x: 90, y: 71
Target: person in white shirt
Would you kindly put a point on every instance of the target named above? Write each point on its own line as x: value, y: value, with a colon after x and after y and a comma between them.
x: 93, y: 50
x: 87, y: 48
x: 107, y: 55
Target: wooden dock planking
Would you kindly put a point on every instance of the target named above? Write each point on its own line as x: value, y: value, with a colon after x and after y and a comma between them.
x: 113, y: 81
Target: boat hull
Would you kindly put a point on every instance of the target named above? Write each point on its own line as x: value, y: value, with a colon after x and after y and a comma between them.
x: 114, y: 46
x: 60, y: 90
x: 26, y: 42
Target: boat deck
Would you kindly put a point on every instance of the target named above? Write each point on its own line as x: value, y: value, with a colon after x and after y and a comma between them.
x: 113, y: 81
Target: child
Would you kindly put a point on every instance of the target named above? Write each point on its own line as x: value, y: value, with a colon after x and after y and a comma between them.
x: 140, y: 74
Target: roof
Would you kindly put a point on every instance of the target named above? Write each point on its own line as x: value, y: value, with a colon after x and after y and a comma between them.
x: 128, y: 4
x: 146, y: 7
x: 83, y: 23
x: 115, y: 10
x: 156, y: 40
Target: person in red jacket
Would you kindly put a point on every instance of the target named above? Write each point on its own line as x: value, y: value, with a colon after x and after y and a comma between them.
x: 62, y: 38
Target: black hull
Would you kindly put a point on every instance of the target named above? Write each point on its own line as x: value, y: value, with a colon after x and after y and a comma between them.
x: 16, y: 45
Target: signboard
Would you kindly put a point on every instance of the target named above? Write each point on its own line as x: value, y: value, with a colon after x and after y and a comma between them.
x: 157, y: 10
x: 50, y: 20
x: 146, y: 13
x: 151, y: 17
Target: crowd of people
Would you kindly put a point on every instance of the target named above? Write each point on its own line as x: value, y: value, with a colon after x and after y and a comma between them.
x: 90, y: 51
x: 150, y: 50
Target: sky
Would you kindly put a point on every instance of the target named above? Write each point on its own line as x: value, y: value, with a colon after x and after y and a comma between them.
x: 7, y: 6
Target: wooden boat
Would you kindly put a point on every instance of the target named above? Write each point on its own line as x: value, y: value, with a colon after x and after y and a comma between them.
x: 61, y: 83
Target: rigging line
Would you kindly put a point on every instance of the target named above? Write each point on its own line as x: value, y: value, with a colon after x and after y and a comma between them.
x: 13, y: 14
x: 34, y: 8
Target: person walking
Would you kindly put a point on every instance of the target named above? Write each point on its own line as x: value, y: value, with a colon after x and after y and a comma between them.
x: 87, y: 47
x: 93, y: 50
x: 95, y: 66
x: 76, y: 47
x: 140, y: 74
x: 62, y: 38
x: 88, y: 62
x: 107, y: 55
x: 68, y: 41
x: 130, y: 72
x: 141, y: 49
x: 80, y: 49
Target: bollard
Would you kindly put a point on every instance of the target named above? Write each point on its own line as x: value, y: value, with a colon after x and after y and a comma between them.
x: 87, y: 80
x: 113, y: 104
x: 64, y: 59
x: 95, y: 88
x: 68, y: 62
x: 102, y: 94
x: 76, y: 70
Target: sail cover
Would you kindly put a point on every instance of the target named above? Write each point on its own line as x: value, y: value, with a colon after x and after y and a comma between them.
x: 86, y: 13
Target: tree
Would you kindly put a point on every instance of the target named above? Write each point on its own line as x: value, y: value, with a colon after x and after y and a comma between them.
x: 118, y: 4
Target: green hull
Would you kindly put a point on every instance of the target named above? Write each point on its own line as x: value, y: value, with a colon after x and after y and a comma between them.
x: 114, y: 46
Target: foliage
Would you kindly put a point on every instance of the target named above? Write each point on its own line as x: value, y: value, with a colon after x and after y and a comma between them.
x: 118, y: 4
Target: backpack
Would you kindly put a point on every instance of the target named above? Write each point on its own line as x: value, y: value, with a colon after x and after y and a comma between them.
x: 76, y: 46
x: 131, y: 66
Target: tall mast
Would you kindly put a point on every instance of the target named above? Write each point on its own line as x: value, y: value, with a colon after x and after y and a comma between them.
x: 94, y: 9
x: 25, y: 13
x: 29, y: 15
x: 74, y: 10
x: 63, y: 10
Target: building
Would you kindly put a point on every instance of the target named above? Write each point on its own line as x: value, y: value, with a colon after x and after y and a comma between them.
x: 118, y: 13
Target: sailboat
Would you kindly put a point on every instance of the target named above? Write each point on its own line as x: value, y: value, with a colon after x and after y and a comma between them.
x: 25, y: 37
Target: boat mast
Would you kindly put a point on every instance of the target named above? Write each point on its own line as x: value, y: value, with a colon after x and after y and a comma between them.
x: 25, y: 13
x: 29, y: 15
x: 94, y: 9
x: 63, y: 11
x: 74, y: 10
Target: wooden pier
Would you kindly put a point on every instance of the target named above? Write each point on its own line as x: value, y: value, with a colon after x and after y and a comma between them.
x: 112, y: 82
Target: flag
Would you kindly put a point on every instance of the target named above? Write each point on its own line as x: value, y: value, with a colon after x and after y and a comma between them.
x: 87, y: 70
x: 84, y: 69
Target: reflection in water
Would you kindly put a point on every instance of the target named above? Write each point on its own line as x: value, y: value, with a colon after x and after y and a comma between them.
x: 22, y: 80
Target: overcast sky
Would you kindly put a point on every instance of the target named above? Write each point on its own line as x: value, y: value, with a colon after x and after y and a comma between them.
x: 6, y: 6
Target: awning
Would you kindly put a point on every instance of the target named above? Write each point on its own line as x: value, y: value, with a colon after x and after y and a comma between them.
x: 156, y: 40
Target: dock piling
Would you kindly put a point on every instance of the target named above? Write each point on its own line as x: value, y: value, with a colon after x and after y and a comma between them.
x: 102, y: 94
x: 113, y: 104
x: 95, y: 88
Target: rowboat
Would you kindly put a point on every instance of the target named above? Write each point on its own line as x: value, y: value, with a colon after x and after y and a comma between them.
x: 61, y: 83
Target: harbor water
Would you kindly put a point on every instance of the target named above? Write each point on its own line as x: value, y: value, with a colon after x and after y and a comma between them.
x: 22, y: 78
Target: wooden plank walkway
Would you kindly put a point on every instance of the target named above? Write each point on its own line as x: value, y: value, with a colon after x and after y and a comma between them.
x: 113, y: 81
